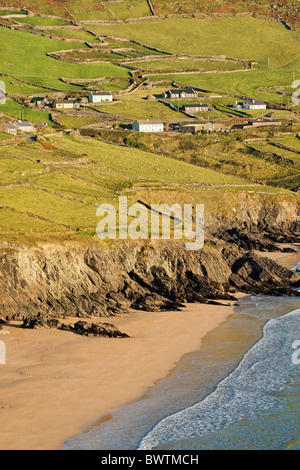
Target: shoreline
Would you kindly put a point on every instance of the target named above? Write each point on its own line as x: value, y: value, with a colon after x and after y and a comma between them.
x: 56, y: 384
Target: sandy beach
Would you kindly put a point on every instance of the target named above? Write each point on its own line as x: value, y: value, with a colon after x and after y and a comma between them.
x: 56, y: 383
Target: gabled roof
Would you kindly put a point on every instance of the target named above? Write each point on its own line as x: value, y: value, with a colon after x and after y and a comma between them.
x: 100, y: 93
x: 23, y: 123
x: 186, y: 90
x: 149, y: 121
x: 63, y: 101
x: 9, y: 125
x: 255, y: 102
x: 200, y: 105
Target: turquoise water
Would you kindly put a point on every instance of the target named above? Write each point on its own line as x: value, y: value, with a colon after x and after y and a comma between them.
x: 240, y: 390
x: 255, y: 407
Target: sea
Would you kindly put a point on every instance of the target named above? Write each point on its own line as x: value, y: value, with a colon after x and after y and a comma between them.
x: 239, y: 391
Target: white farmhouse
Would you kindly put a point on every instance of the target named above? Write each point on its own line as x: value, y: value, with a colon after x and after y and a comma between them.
x: 148, y: 125
x: 250, y: 104
x: 24, y: 126
x: 100, y: 96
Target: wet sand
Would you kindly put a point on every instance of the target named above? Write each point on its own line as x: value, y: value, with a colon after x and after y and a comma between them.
x: 56, y: 383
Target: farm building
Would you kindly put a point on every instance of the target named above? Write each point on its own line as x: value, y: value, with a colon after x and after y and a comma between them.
x: 63, y: 104
x: 175, y: 94
x: 261, y: 123
x: 195, y: 108
x: 100, y: 96
x: 148, y: 125
x: 24, y: 126
x: 207, y: 127
x: 250, y: 104
x: 39, y: 101
x: 8, y: 128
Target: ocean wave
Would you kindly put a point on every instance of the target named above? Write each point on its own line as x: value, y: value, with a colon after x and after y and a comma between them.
x: 251, y: 388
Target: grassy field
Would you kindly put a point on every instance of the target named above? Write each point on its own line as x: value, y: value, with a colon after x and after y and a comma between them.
x: 224, y: 153
x: 73, y: 122
x: 178, y: 65
x: 77, y: 33
x: 238, y: 83
x: 38, y: 67
x: 42, y: 21
x: 132, y: 109
x: 16, y: 110
x: 267, y: 147
x: 289, y: 140
x: 4, y: 12
x: 129, y: 8
x: 260, y: 39
x: 59, y: 181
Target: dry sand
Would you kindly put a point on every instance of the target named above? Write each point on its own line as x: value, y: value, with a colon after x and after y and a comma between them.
x: 55, y: 383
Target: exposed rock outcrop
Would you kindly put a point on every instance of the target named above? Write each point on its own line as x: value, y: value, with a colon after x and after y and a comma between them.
x: 71, y: 280
x: 40, y: 321
x: 94, y: 329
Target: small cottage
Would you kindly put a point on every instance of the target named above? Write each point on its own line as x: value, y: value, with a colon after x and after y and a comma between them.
x: 195, y: 108
x: 8, y: 128
x: 24, y: 126
x: 100, y: 96
x: 63, y: 104
x: 178, y: 93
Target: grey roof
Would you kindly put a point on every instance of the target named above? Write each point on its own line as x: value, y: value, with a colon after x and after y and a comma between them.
x: 63, y: 101
x: 23, y: 123
x: 255, y: 102
x: 200, y: 105
x: 186, y: 90
x: 149, y: 121
x: 9, y: 125
x: 101, y: 93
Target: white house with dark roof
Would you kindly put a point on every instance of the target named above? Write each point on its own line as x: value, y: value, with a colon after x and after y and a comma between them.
x: 148, y: 125
x: 100, y: 96
x: 250, y: 104
x: 24, y: 126
x: 180, y: 93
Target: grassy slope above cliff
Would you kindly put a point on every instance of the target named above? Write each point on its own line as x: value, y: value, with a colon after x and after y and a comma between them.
x: 54, y: 186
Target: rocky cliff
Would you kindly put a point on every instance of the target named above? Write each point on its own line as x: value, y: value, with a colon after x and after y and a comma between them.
x: 101, y: 281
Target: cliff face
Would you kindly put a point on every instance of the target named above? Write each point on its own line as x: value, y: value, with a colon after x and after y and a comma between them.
x: 73, y: 280
x: 257, y: 222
